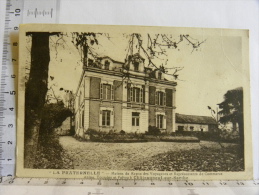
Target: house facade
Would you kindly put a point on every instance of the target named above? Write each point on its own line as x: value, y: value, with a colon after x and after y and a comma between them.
x: 127, y: 96
x: 195, y: 123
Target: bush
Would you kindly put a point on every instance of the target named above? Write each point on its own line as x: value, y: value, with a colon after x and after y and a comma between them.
x: 51, y: 155
x: 152, y: 130
x: 92, y: 132
x: 179, y: 139
x: 122, y: 132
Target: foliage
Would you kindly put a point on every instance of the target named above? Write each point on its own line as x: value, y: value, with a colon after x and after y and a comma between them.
x: 153, y: 130
x: 219, y: 136
x: 122, y: 132
x: 53, y: 116
x: 232, y: 111
x: 113, y: 136
x: 179, y: 139
x: 232, y: 106
x: 50, y: 154
x: 204, y: 159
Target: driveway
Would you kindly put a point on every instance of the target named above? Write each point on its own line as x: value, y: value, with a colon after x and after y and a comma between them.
x: 119, y: 156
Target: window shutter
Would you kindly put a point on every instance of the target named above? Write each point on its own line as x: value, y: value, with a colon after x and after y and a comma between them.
x: 83, y: 119
x: 112, y: 92
x: 156, y: 98
x: 164, y: 95
x: 112, y: 119
x: 144, y: 95
x: 141, y: 95
x: 100, y: 118
x: 156, y: 118
x: 101, y: 91
x: 164, y: 122
x: 131, y: 94
x: 79, y: 120
x: 128, y: 92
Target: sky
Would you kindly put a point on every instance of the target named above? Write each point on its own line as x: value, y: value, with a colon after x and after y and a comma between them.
x: 208, y: 72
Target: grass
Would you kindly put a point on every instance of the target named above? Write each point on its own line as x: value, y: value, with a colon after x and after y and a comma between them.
x: 50, y: 154
x: 204, y: 159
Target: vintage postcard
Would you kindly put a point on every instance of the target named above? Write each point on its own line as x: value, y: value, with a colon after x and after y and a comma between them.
x: 133, y: 103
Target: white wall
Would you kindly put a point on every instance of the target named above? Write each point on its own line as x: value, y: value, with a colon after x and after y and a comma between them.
x: 196, y: 127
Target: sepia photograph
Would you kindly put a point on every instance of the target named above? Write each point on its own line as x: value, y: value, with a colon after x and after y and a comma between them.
x: 133, y: 102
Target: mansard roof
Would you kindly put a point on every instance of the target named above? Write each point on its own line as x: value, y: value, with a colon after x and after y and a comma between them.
x: 107, y: 57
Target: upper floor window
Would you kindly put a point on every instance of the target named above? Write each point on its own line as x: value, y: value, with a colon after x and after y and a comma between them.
x: 160, y: 98
x: 159, y: 75
x: 106, y: 65
x: 136, y: 66
x: 106, y: 91
x: 135, y: 118
x: 136, y: 94
x: 90, y: 62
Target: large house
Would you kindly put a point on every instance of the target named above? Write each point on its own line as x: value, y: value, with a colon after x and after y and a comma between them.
x: 126, y: 96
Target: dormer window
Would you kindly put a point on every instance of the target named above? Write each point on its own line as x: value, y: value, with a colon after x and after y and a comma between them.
x: 90, y: 62
x: 159, y: 76
x: 136, y: 66
x: 106, y: 65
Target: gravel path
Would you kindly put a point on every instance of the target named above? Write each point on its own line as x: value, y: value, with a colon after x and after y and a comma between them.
x: 119, y: 156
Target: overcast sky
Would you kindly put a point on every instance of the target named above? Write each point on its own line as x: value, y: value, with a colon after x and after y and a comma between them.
x: 209, y: 71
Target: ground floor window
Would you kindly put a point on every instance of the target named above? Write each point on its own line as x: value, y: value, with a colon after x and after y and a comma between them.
x: 135, y: 118
x: 160, y: 121
x: 180, y: 128
x: 106, y: 118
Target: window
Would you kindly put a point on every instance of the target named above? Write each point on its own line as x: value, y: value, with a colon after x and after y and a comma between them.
x: 106, y: 118
x: 159, y: 75
x: 90, y: 62
x: 136, y: 94
x: 160, y: 98
x: 160, y: 119
x: 135, y: 118
x: 106, y: 65
x: 106, y: 91
x: 180, y: 128
x: 191, y: 128
x: 136, y: 66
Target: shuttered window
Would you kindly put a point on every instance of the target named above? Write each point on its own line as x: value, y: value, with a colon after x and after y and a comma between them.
x: 106, y: 118
x: 106, y: 91
x: 160, y: 98
x: 161, y: 121
x: 136, y: 94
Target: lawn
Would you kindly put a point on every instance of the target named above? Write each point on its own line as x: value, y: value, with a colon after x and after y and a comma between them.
x: 159, y: 156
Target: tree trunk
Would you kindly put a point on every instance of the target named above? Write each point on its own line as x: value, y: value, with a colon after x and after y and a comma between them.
x: 35, y: 92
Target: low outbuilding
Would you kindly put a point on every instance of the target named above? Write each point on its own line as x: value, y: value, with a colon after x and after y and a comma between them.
x: 195, y: 123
